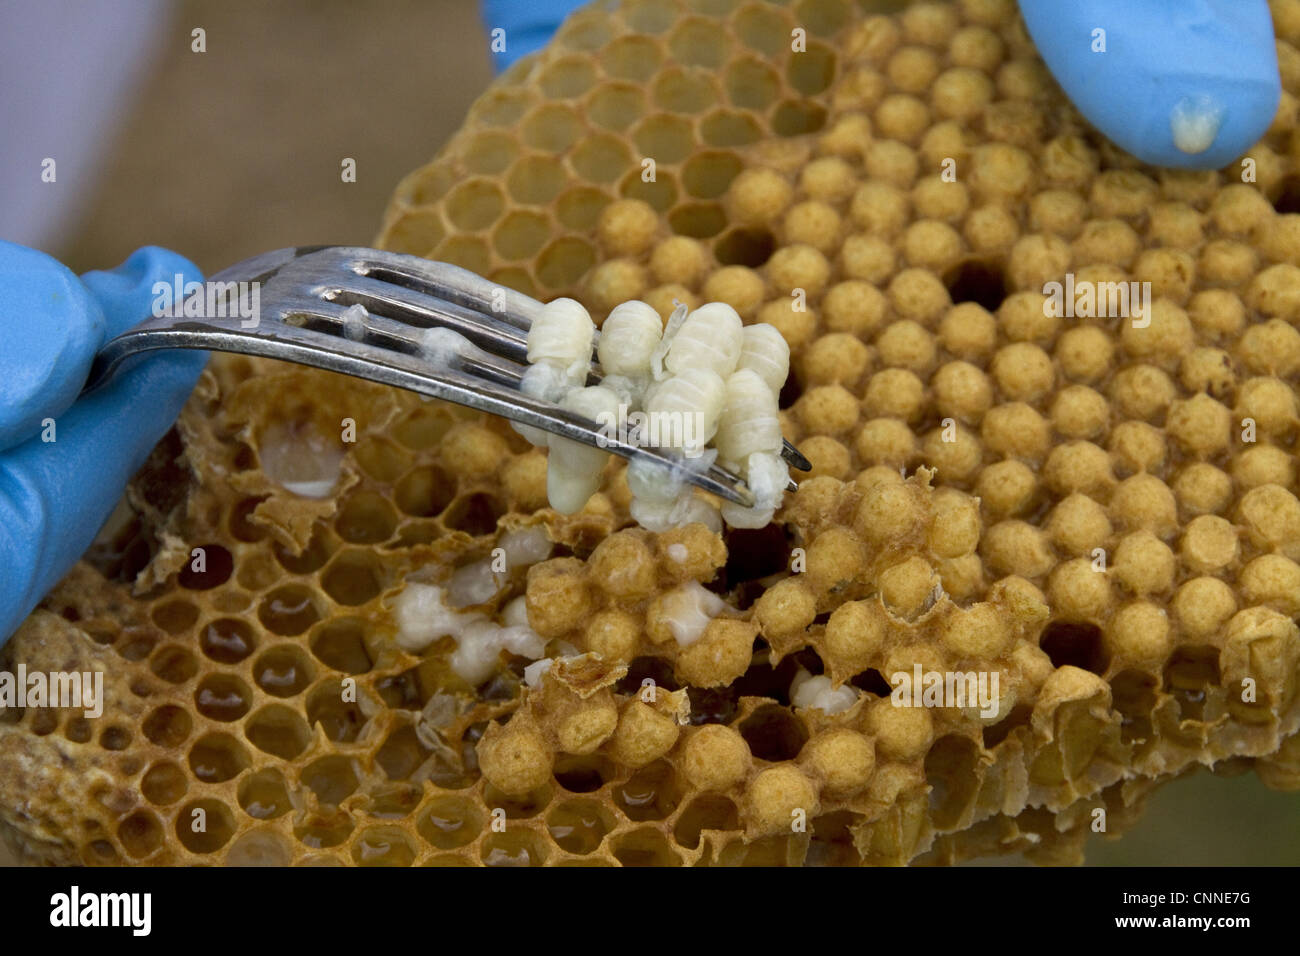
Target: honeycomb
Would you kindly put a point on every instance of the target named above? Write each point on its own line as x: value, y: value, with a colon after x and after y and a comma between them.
x: 974, y: 458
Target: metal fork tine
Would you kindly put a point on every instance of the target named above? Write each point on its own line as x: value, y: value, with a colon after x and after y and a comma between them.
x: 464, y: 301
x: 307, y: 293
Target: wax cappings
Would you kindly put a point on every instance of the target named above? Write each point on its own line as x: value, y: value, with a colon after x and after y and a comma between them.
x: 703, y: 380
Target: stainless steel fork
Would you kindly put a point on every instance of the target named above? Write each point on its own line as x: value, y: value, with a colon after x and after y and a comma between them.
x: 306, y: 314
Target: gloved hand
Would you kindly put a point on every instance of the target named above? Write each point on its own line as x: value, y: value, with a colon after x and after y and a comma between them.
x: 1185, y: 83
x: 54, y: 496
x: 528, y: 25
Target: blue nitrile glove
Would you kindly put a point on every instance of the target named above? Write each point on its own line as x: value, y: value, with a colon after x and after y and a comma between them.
x: 1204, y: 68
x: 54, y: 496
x: 528, y: 25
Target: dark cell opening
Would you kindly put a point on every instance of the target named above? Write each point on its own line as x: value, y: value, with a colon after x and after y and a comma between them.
x: 871, y: 681
x: 1074, y: 644
x: 715, y: 705
x: 1019, y: 717
x: 773, y: 733
x: 976, y: 281
x: 654, y: 668
x: 582, y: 774
x: 476, y: 514
x: 1288, y: 198
x: 745, y: 247
x: 216, y: 564
x: 791, y: 391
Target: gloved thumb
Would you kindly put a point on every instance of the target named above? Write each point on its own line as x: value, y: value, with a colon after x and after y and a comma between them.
x: 51, y: 327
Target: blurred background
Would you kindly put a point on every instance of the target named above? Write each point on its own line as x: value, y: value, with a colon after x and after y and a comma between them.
x: 237, y: 150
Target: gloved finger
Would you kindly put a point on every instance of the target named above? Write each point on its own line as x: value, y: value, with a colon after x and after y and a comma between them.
x: 51, y: 327
x: 1191, y: 84
x: 54, y: 496
x: 526, y: 27
x: 135, y: 290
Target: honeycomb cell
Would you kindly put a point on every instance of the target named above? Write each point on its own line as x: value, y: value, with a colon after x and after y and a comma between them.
x: 475, y: 514
x: 401, y: 753
x: 708, y: 812
x: 227, y: 640
x: 514, y: 848
x: 205, y: 826
x: 694, y: 42
x: 324, y: 829
x: 812, y: 70
x: 551, y: 129
x: 421, y: 229
x: 464, y: 251
x: 261, y: 847
x: 724, y: 128
x: 289, y: 610
x: 706, y: 175
x: 582, y: 774
x: 652, y: 793
x: 699, y: 220
x: 634, y: 58
x: 366, y: 517
x: 475, y: 204
x: 383, y: 846
x: 340, y: 720
x: 568, y: 77
x: 168, y: 726
x: 340, y: 643
x: 140, y: 834
x: 644, y: 846
x: 600, y: 158
x: 450, y: 822
x: 579, y: 826
x: 354, y: 577
x: 487, y: 154
x: 824, y: 17
x: 222, y: 697
x: 176, y: 616
x: 502, y: 106
x: 263, y: 795
x: 173, y: 663
x: 332, y: 778
x: 210, y: 566
x: 751, y: 84
x: 115, y: 738
x: 424, y: 492
x: 311, y: 559
x: 279, y: 731
x: 256, y: 573
x: 78, y: 730
x: 564, y: 261
x: 616, y: 106
x: 683, y: 91
x: 163, y: 783
x: 283, y: 670
x: 217, y: 757
x: 798, y: 118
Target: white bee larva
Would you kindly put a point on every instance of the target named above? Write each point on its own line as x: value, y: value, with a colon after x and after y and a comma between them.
x: 628, y: 338
x: 766, y: 474
x: 561, y: 333
x: 704, y: 384
x: 573, y: 471
x: 650, y: 481
x: 764, y: 350
x: 711, y: 338
x: 547, y: 382
x: 684, y: 409
x: 749, y: 421
x: 665, y: 343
